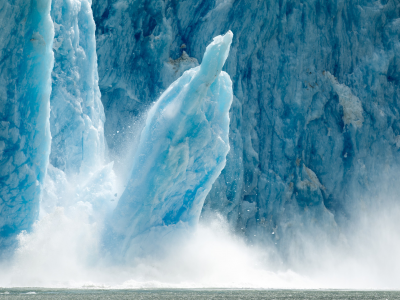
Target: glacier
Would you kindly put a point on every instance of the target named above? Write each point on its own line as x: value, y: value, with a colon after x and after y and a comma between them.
x: 79, y: 172
x: 181, y: 152
x: 53, y: 149
x: 314, y: 130
x: 186, y: 134
x: 77, y: 115
x: 314, y: 120
x: 25, y: 86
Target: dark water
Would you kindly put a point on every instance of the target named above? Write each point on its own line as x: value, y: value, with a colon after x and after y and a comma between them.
x: 60, y: 294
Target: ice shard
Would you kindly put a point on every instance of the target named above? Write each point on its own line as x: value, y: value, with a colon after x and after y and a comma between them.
x: 26, y: 61
x: 181, y: 152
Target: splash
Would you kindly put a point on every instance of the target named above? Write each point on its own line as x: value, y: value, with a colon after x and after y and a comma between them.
x: 63, y: 252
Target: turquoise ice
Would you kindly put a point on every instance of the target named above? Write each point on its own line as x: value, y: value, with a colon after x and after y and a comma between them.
x: 181, y: 152
x: 78, y: 169
x: 77, y: 114
x: 25, y: 85
x: 49, y: 113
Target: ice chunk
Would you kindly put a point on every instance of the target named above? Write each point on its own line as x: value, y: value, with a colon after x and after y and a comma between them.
x: 25, y: 84
x: 181, y: 152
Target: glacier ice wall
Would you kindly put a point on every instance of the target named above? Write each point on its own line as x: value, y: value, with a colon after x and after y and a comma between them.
x: 26, y: 61
x: 314, y: 121
x: 181, y: 152
x: 77, y: 114
x: 124, y: 51
x: 75, y: 110
x: 78, y: 175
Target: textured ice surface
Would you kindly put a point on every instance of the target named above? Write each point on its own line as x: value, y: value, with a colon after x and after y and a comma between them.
x: 287, y: 115
x: 77, y: 176
x: 94, y: 194
x: 77, y: 115
x: 314, y: 122
x: 181, y: 152
x: 26, y: 61
x: 133, y: 46
x: 352, y: 106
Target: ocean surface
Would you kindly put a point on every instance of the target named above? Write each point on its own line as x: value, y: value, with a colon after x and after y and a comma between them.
x: 39, y: 293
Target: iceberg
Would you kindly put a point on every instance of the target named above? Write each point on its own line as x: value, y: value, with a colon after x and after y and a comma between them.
x: 314, y: 131
x: 25, y: 86
x: 181, y: 152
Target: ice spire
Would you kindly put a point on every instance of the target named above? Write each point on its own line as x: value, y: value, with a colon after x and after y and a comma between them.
x: 181, y: 152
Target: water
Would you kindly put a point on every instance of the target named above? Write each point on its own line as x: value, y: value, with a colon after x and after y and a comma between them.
x: 59, y: 294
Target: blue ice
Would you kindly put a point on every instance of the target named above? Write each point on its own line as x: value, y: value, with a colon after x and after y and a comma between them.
x: 181, y: 152
x: 26, y: 37
x: 77, y: 114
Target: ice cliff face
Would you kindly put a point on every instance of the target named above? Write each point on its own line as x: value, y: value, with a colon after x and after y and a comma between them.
x: 182, y: 148
x: 77, y: 115
x: 26, y: 62
x: 133, y: 38
x: 314, y: 123
x: 315, y: 117
x: 78, y: 176
x: 181, y: 152
x: 39, y: 101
